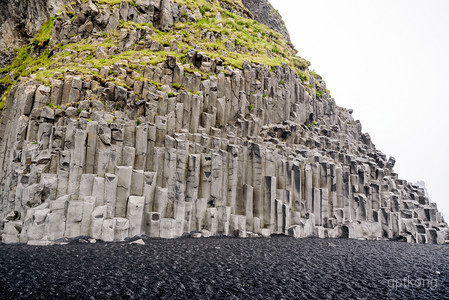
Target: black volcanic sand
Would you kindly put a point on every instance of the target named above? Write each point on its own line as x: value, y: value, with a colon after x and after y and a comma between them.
x: 226, y: 268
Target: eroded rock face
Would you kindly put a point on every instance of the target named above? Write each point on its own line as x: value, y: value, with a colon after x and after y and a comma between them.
x: 244, y: 152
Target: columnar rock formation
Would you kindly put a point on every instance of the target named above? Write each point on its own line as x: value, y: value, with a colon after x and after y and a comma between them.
x: 217, y: 149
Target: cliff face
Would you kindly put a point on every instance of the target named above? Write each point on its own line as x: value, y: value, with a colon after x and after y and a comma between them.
x: 20, y: 20
x: 264, y: 13
x: 163, y: 118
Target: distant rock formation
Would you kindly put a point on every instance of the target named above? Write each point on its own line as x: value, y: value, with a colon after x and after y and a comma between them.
x: 132, y: 121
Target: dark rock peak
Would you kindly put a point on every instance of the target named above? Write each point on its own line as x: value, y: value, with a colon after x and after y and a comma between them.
x: 264, y: 13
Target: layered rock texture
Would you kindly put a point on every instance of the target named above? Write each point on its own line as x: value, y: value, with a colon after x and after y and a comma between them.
x: 154, y: 117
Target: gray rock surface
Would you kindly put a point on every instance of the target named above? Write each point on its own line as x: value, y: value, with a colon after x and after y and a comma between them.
x: 245, y: 152
x: 21, y: 19
x: 264, y: 13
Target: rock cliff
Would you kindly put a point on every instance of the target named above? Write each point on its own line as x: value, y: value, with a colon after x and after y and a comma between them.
x: 20, y: 20
x: 263, y: 12
x: 163, y: 118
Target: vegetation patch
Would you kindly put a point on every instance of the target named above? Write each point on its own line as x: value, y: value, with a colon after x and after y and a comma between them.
x: 253, y: 42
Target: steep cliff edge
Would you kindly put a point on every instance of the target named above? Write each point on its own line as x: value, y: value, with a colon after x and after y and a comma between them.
x: 162, y: 118
x: 264, y: 13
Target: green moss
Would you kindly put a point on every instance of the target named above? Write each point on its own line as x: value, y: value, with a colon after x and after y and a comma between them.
x: 303, y: 76
x: 177, y: 86
x: 43, y: 36
x: 204, y: 9
x: 112, y: 2
x: 315, y: 75
x: 5, y: 95
x: 301, y: 63
x: 247, y: 33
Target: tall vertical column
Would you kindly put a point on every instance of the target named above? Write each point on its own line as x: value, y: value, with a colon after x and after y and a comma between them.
x: 232, y: 177
x: 281, y: 174
x: 324, y: 206
x: 216, y: 180
x: 195, y: 113
x: 115, y: 157
x: 86, y: 185
x: 149, y: 191
x: 270, y: 163
x: 137, y: 182
x: 141, y: 147
x: 346, y: 194
x: 247, y: 211
x: 134, y: 214
x: 308, y: 189
x: 258, y: 178
x: 316, y: 175
x: 158, y: 165
x: 77, y: 159
x: 186, y: 99
x: 225, y: 178
x: 269, y: 202
x: 160, y: 201
x: 278, y: 217
x: 193, y: 177
x: 241, y: 174
x: 92, y: 128
x: 339, y: 187
x: 224, y: 215
x: 110, y: 194
x: 317, y: 206
x: 124, y: 175
x: 179, y: 113
x: 200, y: 213
x: 205, y: 177
x: 170, y: 178
x: 180, y: 185
x: 98, y: 190
x: 298, y: 203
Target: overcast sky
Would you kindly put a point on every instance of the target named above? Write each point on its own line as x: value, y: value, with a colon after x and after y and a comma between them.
x: 389, y: 61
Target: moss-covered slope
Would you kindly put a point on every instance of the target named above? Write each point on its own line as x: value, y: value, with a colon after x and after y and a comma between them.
x: 209, y: 26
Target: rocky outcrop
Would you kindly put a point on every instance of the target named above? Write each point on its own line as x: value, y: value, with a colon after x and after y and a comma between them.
x: 264, y: 13
x: 190, y: 146
x: 20, y: 20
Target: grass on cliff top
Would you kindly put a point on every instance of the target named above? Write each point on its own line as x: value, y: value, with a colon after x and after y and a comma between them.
x: 44, y: 35
x: 263, y: 46
x: 24, y: 64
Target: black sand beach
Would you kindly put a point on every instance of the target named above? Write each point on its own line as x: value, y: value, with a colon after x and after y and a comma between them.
x: 226, y: 268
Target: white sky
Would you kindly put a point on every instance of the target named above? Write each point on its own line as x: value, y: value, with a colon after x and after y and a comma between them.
x: 389, y: 61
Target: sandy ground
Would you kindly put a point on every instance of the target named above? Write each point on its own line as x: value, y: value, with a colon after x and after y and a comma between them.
x: 226, y: 268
